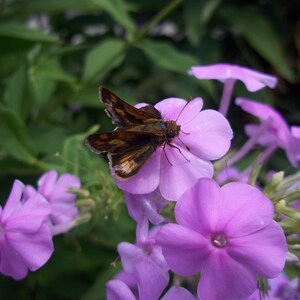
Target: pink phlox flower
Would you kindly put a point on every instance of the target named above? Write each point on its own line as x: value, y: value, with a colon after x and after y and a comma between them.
x: 253, y: 80
x: 145, y: 262
x: 119, y: 290
x: 25, y: 238
x: 228, y: 234
x: 205, y: 135
x: 228, y: 74
x: 277, y: 131
x: 148, y: 205
x: 56, y: 190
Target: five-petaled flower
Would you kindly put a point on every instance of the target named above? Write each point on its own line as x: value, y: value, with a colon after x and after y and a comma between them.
x: 228, y: 234
x: 204, y: 136
x: 25, y: 238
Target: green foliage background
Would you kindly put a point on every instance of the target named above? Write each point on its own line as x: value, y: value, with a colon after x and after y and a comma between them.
x: 54, y: 55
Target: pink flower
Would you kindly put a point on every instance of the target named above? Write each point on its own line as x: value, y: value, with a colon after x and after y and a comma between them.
x: 25, y: 238
x: 56, y: 190
x: 118, y: 290
x: 145, y: 263
x: 172, y: 170
x: 228, y: 74
x: 228, y: 234
x: 276, y: 132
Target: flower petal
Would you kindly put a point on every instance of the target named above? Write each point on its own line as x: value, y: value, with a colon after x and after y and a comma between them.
x: 253, y: 80
x: 130, y: 255
x: 118, y: 290
x: 152, y: 279
x: 264, y: 251
x: 245, y: 210
x: 30, y: 216
x: 13, y: 201
x: 146, y: 180
x: 46, y: 183
x: 170, y: 108
x: 180, y: 171
x: 178, y: 293
x: 199, y: 208
x: 35, y: 249
x: 184, y: 249
x: 208, y: 135
x: 224, y: 278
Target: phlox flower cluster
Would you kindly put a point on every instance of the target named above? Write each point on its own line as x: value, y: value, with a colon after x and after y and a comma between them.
x: 29, y: 220
x: 224, y: 238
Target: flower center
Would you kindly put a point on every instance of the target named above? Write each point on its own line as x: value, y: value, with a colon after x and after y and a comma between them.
x: 219, y: 240
x: 147, y: 248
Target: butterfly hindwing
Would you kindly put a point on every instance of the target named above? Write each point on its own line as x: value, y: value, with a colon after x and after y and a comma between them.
x: 129, y: 162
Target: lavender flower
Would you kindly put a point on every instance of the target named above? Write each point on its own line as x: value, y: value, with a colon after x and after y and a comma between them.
x: 228, y: 74
x: 228, y: 234
x: 25, y: 238
x: 56, y: 190
x: 145, y: 263
x: 273, y: 132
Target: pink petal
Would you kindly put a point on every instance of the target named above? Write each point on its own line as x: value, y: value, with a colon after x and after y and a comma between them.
x: 224, y: 278
x: 263, y: 251
x: 35, y: 249
x: 146, y: 180
x: 253, y: 80
x: 130, y: 256
x: 13, y: 201
x: 178, y: 174
x: 245, y: 210
x: 178, y: 293
x: 152, y: 279
x: 208, y: 135
x: 199, y: 208
x: 30, y: 216
x: 184, y: 249
x: 118, y: 290
x: 46, y: 183
x: 11, y: 263
x: 170, y: 108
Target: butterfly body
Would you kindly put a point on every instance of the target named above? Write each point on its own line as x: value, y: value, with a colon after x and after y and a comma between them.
x: 138, y: 134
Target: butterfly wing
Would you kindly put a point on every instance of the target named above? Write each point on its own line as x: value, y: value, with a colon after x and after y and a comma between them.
x: 116, y: 141
x: 129, y: 162
x: 124, y: 114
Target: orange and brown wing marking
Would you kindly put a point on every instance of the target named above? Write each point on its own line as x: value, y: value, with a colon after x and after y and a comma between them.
x: 124, y: 114
x: 116, y: 141
x: 129, y: 162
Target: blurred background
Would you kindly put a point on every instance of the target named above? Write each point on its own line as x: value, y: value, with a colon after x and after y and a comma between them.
x: 53, y: 57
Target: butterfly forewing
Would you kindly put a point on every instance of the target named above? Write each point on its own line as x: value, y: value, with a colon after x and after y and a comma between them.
x: 124, y: 114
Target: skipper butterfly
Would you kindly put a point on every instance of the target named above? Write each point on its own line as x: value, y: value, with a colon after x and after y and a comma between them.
x: 138, y: 133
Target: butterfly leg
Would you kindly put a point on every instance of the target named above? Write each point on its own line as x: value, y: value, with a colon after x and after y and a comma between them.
x: 173, y: 146
x: 166, y: 154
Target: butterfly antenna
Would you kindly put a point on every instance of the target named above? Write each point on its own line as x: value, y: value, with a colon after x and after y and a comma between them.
x: 69, y: 162
x: 188, y: 101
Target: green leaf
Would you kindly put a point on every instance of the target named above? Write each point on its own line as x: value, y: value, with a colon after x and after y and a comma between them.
x: 117, y: 9
x: 14, y: 94
x: 260, y: 34
x: 14, y: 138
x: 166, y: 56
x: 103, y: 57
x: 198, y: 13
x: 21, y: 31
x: 52, y: 69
